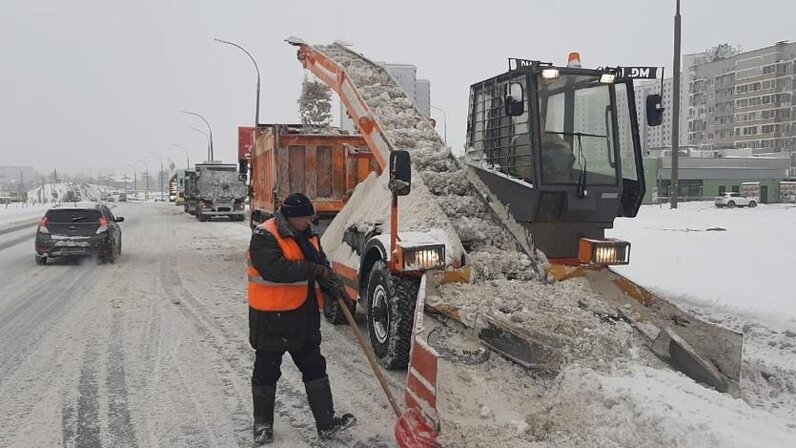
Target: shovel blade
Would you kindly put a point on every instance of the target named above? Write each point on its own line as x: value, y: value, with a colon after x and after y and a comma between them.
x: 413, y: 430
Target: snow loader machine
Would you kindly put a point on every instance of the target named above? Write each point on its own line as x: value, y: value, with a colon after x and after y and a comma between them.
x: 553, y: 156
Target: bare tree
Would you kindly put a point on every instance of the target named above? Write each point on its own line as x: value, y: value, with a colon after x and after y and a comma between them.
x: 315, y: 103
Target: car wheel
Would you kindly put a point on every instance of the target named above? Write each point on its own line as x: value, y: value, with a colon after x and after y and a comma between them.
x: 752, y: 204
x: 731, y: 204
x: 391, y: 303
x: 41, y: 261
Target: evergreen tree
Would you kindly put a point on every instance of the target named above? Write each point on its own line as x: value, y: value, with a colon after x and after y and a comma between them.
x: 315, y: 103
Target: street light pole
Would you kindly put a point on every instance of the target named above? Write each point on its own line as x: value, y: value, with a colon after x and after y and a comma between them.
x: 187, y: 156
x: 135, y: 179
x: 675, y: 187
x: 208, y: 128
x: 257, y: 102
x: 160, y: 177
x: 445, y: 123
x: 146, y: 191
x: 209, y: 157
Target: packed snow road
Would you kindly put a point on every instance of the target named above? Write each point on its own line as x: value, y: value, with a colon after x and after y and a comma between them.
x: 153, y: 350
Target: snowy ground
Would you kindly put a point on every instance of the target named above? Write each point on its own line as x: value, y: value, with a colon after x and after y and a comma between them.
x: 152, y: 351
x: 749, y: 266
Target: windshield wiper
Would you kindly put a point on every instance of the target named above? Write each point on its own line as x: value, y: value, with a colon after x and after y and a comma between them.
x: 78, y: 218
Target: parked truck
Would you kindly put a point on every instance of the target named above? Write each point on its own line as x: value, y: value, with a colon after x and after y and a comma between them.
x: 190, y: 192
x: 218, y: 191
x: 325, y: 163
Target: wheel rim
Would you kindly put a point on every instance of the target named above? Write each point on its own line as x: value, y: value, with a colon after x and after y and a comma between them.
x: 379, y: 314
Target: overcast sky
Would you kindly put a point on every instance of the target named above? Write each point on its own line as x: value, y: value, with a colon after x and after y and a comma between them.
x: 94, y: 85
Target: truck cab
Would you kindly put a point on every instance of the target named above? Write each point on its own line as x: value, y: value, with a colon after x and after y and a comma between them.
x: 560, y: 146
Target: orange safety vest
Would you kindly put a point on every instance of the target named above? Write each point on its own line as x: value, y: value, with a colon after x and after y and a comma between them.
x: 265, y: 295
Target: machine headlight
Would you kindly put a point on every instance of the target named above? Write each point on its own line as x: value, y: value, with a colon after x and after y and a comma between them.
x: 550, y: 73
x: 603, y: 252
x: 423, y: 258
x: 608, y: 78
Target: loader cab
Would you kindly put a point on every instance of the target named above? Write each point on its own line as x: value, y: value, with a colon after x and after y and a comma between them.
x: 560, y: 147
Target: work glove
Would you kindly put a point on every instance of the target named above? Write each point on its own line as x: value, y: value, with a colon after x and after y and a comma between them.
x: 335, y: 288
x: 320, y: 273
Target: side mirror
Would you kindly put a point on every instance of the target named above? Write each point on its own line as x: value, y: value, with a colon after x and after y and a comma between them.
x: 515, y: 100
x: 654, y: 110
x: 120, y: 219
x: 400, y: 172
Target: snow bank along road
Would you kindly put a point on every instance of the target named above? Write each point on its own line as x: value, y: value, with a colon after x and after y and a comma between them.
x: 153, y: 350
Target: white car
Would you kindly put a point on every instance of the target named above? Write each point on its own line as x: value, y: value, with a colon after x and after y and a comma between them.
x: 732, y: 199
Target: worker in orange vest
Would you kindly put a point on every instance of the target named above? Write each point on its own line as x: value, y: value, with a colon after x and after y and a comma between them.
x: 286, y: 268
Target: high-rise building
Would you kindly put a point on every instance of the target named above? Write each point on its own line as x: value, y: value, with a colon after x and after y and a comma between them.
x: 745, y: 102
x: 405, y: 75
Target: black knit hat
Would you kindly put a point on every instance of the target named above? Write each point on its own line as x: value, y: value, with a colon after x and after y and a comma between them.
x: 297, y: 205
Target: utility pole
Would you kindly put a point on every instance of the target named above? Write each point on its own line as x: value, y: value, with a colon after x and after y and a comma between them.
x: 675, y: 187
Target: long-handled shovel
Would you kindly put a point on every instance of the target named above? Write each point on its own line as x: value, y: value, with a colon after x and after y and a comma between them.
x: 411, y: 430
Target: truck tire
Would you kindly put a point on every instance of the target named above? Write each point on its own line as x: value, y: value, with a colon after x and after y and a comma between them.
x: 200, y: 216
x: 331, y: 310
x: 391, y: 303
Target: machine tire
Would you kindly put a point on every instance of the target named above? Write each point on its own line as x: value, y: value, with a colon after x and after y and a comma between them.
x: 752, y: 204
x: 390, y: 335
x: 731, y: 204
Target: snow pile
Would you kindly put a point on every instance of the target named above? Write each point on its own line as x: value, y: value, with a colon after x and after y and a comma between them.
x: 560, y: 315
x: 493, y: 254
x: 55, y: 193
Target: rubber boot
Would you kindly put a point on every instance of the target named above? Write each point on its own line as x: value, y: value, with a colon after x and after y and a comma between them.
x: 263, y: 398
x: 328, y: 422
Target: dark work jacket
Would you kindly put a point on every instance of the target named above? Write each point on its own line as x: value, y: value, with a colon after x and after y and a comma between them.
x: 282, y: 330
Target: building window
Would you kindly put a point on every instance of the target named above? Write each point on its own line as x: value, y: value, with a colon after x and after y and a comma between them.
x: 722, y: 189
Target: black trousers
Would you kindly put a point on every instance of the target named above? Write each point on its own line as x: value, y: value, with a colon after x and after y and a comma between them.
x: 309, y: 360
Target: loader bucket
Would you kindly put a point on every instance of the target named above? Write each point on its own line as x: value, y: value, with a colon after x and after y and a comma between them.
x: 704, y: 351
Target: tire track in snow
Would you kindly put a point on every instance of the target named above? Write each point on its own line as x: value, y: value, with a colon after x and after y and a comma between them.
x: 23, y: 328
x: 16, y: 241
x: 18, y: 226
x: 87, y: 432
x: 120, y: 426
x: 224, y: 368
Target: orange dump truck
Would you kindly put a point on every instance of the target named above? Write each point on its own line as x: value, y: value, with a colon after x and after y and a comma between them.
x: 324, y: 163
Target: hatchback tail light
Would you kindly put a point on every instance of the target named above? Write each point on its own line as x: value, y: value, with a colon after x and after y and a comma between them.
x: 43, y: 225
x: 103, y: 225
